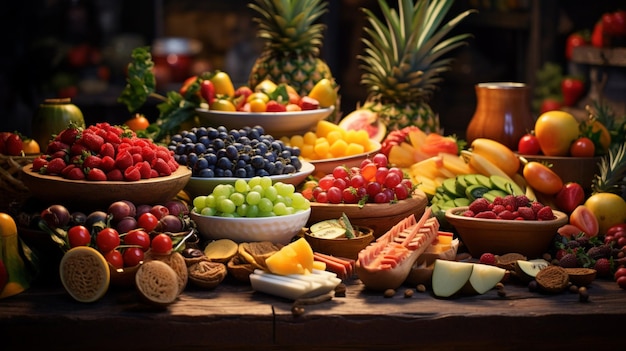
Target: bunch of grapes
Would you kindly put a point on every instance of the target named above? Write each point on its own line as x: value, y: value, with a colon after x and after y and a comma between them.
x: 373, y: 181
x: 241, y: 153
x: 257, y: 197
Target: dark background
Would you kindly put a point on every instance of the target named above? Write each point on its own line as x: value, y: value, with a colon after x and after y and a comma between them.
x: 39, y: 38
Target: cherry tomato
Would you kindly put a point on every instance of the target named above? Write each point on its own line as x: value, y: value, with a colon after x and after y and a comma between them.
x: 114, y: 257
x: 138, y: 237
x: 582, y: 147
x: 133, y: 256
x: 621, y: 282
x: 619, y: 273
x: 107, y: 240
x: 147, y: 221
x: 621, y: 227
x: 528, y: 145
x: 161, y: 244
x: 78, y: 235
x: 542, y: 178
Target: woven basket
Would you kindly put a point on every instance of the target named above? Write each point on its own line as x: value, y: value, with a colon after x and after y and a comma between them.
x: 12, y: 189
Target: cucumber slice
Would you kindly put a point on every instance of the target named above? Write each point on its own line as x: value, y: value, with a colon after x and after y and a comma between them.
x: 470, y: 179
x: 493, y: 193
x: 484, y: 181
x: 449, y: 186
x: 462, y: 201
x: 460, y: 181
x: 506, y: 185
x: 475, y: 191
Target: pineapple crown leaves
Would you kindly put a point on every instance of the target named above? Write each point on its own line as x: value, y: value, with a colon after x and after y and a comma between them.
x: 612, y: 177
x: 403, y: 56
x: 290, y: 24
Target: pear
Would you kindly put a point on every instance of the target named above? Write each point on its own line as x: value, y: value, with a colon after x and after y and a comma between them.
x: 450, y: 276
x: 484, y: 278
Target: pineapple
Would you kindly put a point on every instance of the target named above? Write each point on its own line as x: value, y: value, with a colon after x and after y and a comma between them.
x: 403, y: 59
x: 292, y: 43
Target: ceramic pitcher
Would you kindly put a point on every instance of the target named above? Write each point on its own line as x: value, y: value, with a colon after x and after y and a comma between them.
x: 502, y: 113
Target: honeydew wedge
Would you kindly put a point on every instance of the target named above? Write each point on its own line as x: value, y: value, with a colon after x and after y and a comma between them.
x: 484, y: 278
x: 449, y: 277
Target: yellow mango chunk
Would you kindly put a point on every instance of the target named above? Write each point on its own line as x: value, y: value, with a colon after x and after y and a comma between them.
x: 294, y: 258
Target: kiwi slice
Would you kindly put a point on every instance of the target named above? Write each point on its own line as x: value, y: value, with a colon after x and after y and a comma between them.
x: 476, y: 191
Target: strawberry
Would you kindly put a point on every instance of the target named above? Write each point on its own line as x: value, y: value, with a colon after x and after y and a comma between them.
x: 75, y: 174
x: 468, y: 213
x: 107, y: 163
x: 123, y: 160
x: 568, y: 261
x: 96, y: 174
x: 479, y: 205
x: 132, y: 174
x: 39, y: 163
x: 275, y: 106
x: 107, y: 149
x: 498, y: 200
x: 526, y: 213
x: 92, y: 141
x: 13, y: 145
x: 78, y: 149
x: 67, y: 170
x: 115, y: 175
x: 560, y: 253
x: 486, y: 215
x: 55, y: 146
x: 603, y: 267
x: 55, y: 166
x: 498, y: 208
x: 488, y: 258
x: 68, y: 136
x: 545, y: 214
x: 522, y: 201
x: 92, y: 161
x: 506, y: 214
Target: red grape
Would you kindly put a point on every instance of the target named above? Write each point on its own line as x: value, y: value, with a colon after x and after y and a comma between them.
x: 339, y: 183
x: 380, y: 160
x: 321, y: 197
x: 373, y: 188
x: 401, y: 191
x: 381, y: 174
x: 340, y: 172
x: 334, y: 195
x: 357, y: 181
x: 326, y: 182
x: 392, y: 179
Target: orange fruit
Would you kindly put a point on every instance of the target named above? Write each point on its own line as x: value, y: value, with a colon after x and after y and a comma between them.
x: 139, y: 122
x: 31, y: 147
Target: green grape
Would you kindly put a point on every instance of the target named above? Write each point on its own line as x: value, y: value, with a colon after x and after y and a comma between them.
x: 199, y: 202
x: 254, y: 181
x: 253, y: 198
x: 242, y: 210
x: 223, y: 190
x: 266, y: 214
x: 285, y: 189
x: 299, y: 202
x: 208, y: 211
x: 253, y: 211
x: 280, y: 209
x: 237, y: 198
x: 226, y: 206
x: 258, y: 188
x: 210, y: 201
x: 241, y: 186
x: 265, y: 205
x: 270, y: 193
x: 288, y: 201
x: 228, y: 215
x: 266, y: 182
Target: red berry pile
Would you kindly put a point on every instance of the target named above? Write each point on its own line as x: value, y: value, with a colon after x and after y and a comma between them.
x: 509, y: 207
x: 373, y: 181
x: 104, y: 152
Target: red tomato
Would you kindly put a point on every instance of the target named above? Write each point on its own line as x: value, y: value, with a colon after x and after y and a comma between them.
x: 78, y: 235
x: 542, y: 178
x: 620, y: 272
x: 528, y: 145
x: 161, y: 244
x: 107, y: 240
x: 583, y: 218
x: 570, y: 196
x: 147, y: 221
x: 614, y: 229
x: 621, y: 282
x: 138, y: 237
x: 582, y: 147
x: 550, y: 104
x: 115, y: 258
x: 133, y: 256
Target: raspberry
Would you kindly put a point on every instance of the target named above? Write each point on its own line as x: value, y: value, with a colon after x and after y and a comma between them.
x: 468, y: 213
x: 602, y: 267
x: 545, y: 214
x: 510, y: 203
x: 536, y: 206
x: 527, y: 213
x: 498, y: 208
x: 486, y: 215
x: 506, y: 214
x: 522, y: 201
x: 488, y: 258
x: 568, y: 261
x: 479, y: 205
x: 498, y: 200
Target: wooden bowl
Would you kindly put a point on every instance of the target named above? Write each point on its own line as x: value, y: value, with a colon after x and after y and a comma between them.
x: 572, y: 169
x: 55, y: 189
x: 341, y: 247
x: 499, y: 237
x: 379, y: 217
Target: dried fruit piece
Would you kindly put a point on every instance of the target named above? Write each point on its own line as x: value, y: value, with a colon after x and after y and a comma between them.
x: 221, y: 250
x: 84, y: 273
x: 157, y: 282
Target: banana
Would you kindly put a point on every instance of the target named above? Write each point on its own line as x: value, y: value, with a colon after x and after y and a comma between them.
x: 498, y: 154
x: 484, y: 166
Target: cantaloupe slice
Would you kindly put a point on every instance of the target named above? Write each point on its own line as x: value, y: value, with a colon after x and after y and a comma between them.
x: 294, y: 258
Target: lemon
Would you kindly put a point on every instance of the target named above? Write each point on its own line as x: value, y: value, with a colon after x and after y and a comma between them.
x: 324, y: 92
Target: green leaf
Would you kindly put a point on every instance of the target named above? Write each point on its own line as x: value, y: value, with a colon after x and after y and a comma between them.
x: 140, y: 82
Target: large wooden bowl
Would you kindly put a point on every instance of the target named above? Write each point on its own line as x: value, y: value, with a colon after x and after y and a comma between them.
x: 55, y: 189
x: 379, y: 217
x: 499, y: 237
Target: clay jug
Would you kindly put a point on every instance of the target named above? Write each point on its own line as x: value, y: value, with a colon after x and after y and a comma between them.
x: 52, y: 116
x: 502, y: 113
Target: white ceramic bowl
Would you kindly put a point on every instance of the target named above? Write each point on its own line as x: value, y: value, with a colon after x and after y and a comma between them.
x: 198, y: 186
x: 326, y: 166
x: 276, y: 124
x: 277, y: 229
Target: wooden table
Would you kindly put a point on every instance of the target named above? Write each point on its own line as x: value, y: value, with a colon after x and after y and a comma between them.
x: 233, y: 316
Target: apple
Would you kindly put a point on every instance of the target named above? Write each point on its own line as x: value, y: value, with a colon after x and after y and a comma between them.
x: 450, y: 276
x: 484, y: 277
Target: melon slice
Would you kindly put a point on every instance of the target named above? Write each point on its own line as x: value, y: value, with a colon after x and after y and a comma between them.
x: 294, y: 258
x: 450, y: 276
x: 362, y: 119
